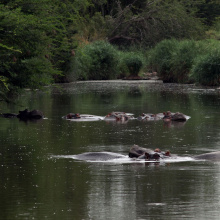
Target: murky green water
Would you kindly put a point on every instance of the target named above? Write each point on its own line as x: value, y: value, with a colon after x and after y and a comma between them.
x: 36, y: 185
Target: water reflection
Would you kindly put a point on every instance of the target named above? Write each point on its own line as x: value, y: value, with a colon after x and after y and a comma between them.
x: 34, y: 186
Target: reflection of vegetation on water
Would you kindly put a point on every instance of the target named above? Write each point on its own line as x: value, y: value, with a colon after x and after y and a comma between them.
x: 35, y: 183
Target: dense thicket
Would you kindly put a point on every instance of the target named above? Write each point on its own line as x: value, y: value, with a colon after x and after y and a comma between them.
x: 186, y: 61
x: 39, y: 38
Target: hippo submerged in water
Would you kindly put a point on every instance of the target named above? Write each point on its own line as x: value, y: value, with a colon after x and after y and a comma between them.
x: 123, y: 117
x: 165, y: 116
x: 119, y: 116
x: 25, y: 115
x: 213, y: 156
x: 137, y: 153
x: 147, y: 154
x: 113, y: 116
x: 169, y: 116
x: 98, y: 156
x: 82, y: 117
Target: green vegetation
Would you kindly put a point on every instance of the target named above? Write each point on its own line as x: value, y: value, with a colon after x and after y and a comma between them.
x: 134, y: 62
x: 160, y: 58
x: 186, y: 61
x: 42, y: 42
x: 206, y: 69
x: 102, y: 61
x: 96, y: 61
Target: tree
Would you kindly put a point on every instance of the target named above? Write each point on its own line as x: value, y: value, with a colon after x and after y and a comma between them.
x: 148, y: 22
x: 24, y: 48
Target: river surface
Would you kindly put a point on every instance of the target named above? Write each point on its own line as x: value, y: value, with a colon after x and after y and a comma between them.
x: 40, y: 179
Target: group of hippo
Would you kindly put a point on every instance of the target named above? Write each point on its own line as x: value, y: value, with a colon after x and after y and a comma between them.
x: 135, y: 151
x: 140, y: 153
x: 115, y: 116
x: 123, y: 117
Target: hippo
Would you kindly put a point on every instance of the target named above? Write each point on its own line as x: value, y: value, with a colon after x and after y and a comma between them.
x: 147, y: 154
x: 137, y: 151
x: 169, y: 116
x: 29, y: 115
x: 165, y: 116
x: 119, y: 116
x: 150, y: 156
x: 82, y: 117
x: 214, y: 156
x: 150, y: 116
x: 98, y: 156
x: 72, y: 116
x: 25, y: 115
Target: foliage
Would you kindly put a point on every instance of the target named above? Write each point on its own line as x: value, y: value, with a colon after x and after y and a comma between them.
x: 206, y: 69
x: 148, y: 22
x: 214, y: 32
x: 160, y: 59
x: 174, y: 60
x: 39, y: 38
x: 209, y: 11
x: 182, y: 59
x: 96, y: 61
x: 134, y: 62
x: 24, y: 44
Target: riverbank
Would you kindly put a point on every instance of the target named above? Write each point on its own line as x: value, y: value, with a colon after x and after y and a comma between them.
x: 151, y: 85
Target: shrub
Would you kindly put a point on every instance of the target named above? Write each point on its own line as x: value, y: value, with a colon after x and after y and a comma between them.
x: 206, y: 69
x: 159, y: 59
x: 122, y: 67
x: 96, y: 61
x: 182, y: 60
x: 134, y: 62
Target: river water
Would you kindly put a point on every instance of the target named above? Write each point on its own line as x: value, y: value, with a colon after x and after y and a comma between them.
x: 41, y: 180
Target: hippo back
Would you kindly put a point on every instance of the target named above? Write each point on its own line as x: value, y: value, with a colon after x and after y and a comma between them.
x: 98, y: 156
x: 214, y: 156
x: 36, y: 114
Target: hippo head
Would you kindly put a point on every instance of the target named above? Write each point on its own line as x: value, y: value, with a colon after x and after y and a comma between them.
x: 23, y: 114
x: 73, y: 116
x: 152, y: 156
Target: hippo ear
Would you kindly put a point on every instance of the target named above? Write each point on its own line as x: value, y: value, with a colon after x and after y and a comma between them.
x: 167, y: 153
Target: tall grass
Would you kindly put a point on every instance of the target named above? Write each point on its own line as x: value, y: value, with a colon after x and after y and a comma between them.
x: 206, y: 68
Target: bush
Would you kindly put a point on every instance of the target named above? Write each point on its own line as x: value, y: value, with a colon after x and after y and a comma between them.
x: 96, y: 61
x: 122, y: 67
x: 206, y: 69
x: 134, y: 62
x: 159, y: 59
x: 182, y: 60
x: 173, y: 60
